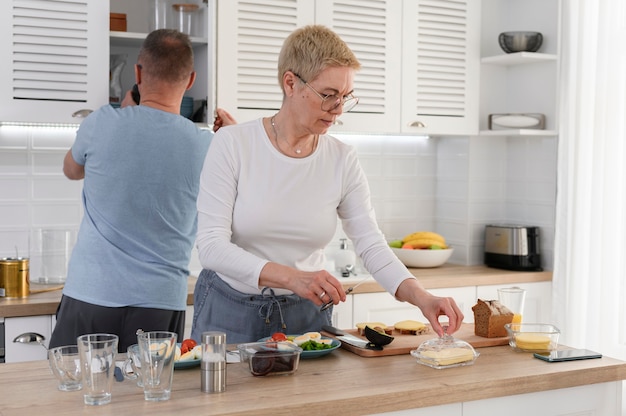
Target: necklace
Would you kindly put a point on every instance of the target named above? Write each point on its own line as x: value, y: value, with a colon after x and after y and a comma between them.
x: 298, y: 151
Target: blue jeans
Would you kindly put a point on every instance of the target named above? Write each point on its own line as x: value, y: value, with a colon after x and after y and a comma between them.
x: 248, y: 318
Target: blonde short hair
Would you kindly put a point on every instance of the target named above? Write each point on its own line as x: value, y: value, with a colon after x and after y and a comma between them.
x: 311, y: 49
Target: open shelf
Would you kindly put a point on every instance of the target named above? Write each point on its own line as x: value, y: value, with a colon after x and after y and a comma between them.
x: 518, y: 132
x: 518, y: 58
x: 135, y: 39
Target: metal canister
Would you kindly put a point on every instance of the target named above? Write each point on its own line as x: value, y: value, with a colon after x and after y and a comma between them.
x: 14, y: 279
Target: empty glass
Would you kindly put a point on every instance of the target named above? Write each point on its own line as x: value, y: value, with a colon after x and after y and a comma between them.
x: 157, y: 350
x: 132, y: 365
x: 65, y: 365
x: 97, y: 357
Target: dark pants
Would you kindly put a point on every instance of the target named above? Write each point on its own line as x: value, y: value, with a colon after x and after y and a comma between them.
x: 75, y: 318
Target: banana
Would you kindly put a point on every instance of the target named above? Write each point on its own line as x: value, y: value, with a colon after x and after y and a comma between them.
x: 424, y: 235
x: 425, y: 243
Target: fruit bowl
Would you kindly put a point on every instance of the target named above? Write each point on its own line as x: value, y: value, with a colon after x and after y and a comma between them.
x: 423, y: 258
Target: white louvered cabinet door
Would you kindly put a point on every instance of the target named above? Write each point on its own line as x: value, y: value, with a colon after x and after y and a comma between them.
x: 249, y: 38
x: 372, y: 29
x: 441, y: 64
x: 250, y: 35
x: 55, y: 59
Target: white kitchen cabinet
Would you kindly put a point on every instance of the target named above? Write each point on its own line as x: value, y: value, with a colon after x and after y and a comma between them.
x: 523, y: 82
x: 440, y: 67
x: 538, y: 303
x: 18, y: 352
x: 420, y: 60
x: 342, y: 313
x: 250, y: 36
x: 592, y: 399
x: 128, y: 44
x: 382, y: 307
x: 55, y: 59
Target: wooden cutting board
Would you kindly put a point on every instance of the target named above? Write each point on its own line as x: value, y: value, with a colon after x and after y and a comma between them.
x: 403, y: 344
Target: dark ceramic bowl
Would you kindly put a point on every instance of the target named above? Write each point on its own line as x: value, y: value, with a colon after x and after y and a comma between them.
x: 377, y: 338
x: 512, y: 42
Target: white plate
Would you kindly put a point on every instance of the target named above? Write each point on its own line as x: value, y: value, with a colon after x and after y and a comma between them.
x: 186, y: 363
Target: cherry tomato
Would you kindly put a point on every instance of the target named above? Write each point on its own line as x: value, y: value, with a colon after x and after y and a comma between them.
x: 278, y: 336
x: 187, y: 345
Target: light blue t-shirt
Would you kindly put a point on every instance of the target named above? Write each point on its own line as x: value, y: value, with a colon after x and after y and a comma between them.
x: 142, y: 173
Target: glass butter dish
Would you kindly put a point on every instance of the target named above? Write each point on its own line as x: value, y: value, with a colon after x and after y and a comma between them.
x: 445, y: 352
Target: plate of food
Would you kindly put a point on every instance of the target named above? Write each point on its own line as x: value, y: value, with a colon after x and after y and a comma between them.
x: 188, y: 354
x: 313, y: 344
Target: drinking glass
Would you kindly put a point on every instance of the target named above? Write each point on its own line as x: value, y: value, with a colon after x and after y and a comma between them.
x: 97, y: 358
x: 65, y: 365
x: 157, y: 350
x: 513, y: 298
x: 132, y: 365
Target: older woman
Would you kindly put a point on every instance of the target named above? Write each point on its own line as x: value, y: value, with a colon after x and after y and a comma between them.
x: 270, y: 194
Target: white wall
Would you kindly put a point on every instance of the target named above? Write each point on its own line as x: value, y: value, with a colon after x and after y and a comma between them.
x: 453, y: 185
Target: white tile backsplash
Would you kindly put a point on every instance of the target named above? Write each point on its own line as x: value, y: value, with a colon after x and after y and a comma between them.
x: 452, y: 185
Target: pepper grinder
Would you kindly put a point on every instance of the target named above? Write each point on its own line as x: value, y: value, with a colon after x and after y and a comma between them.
x: 213, y: 365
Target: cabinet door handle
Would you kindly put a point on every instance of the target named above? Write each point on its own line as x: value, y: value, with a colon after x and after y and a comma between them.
x: 30, y: 337
x: 417, y: 124
x: 338, y: 122
x: 82, y: 113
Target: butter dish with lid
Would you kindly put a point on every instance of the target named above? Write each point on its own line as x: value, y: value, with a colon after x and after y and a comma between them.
x: 445, y: 352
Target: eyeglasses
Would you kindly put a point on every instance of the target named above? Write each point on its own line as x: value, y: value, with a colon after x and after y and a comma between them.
x: 332, y: 101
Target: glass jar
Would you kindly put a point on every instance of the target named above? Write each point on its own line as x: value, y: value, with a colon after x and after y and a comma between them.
x: 184, y: 17
x: 159, y: 16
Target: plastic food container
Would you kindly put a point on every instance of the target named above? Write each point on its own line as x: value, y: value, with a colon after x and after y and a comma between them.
x: 270, y: 358
x: 445, y: 352
x: 529, y: 337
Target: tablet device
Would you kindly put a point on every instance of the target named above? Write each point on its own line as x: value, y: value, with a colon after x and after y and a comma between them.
x: 568, y: 355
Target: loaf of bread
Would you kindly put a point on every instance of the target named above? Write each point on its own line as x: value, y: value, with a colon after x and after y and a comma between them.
x: 490, y: 316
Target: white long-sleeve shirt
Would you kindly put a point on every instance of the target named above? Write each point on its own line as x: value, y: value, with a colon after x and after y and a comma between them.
x: 257, y: 205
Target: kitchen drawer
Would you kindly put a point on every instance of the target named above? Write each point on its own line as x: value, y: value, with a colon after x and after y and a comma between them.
x: 18, y: 352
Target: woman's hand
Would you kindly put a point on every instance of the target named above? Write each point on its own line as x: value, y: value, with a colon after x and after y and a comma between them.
x: 222, y: 118
x: 432, y: 307
x: 319, y: 287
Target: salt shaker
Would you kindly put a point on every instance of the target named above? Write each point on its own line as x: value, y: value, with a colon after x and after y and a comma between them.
x: 213, y: 365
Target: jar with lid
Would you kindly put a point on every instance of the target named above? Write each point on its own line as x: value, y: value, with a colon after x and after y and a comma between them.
x: 160, y: 14
x: 184, y: 17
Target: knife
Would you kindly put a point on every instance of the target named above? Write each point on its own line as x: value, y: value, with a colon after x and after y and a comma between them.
x: 350, y: 339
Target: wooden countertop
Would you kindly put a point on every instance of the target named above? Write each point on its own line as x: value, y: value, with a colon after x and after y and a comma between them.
x: 339, y: 383
x: 446, y: 276
x: 451, y: 275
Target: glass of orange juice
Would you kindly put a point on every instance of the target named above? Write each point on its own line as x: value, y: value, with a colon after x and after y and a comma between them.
x: 513, y: 298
